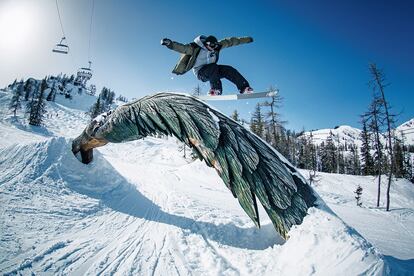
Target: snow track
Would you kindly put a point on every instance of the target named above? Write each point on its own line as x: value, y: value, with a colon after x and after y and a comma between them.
x: 64, y: 217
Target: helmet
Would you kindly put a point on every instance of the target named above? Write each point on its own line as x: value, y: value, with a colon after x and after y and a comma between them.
x: 211, y: 41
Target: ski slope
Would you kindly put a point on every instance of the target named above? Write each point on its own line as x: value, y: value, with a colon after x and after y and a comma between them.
x: 141, y: 208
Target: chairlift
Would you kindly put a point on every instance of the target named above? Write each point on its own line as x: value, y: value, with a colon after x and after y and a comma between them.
x: 84, y: 74
x: 61, y: 47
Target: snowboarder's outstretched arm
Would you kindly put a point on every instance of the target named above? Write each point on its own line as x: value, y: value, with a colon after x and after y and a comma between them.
x: 233, y: 41
x: 185, y: 49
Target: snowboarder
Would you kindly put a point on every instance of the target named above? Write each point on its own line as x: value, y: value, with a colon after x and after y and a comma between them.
x: 202, y: 56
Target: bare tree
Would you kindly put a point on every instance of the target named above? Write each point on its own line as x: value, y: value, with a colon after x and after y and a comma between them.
x: 273, y: 117
x: 378, y: 84
x: 374, y: 117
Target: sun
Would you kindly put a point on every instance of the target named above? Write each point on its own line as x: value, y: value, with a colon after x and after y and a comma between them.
x: 16, y: 26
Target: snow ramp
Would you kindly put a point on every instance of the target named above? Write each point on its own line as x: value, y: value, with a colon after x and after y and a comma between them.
x: 59, y: 216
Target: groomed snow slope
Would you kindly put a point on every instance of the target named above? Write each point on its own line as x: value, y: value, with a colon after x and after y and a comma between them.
x: 141, y: 208
x: 156, y: 215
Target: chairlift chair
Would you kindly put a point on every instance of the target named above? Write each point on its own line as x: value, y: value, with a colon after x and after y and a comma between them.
x: 84, y: 74
x: 61, y: 47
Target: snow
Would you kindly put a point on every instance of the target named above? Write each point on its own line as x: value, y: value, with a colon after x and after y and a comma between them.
x: 407, y: 129
x: 350, y: 135
x: 140, y: 208
x: 374, y: 223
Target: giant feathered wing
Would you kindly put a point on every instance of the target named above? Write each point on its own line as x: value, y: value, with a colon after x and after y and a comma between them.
x: 249, y: 167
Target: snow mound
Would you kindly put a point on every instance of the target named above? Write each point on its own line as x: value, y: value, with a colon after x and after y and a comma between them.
x: 59, y: 216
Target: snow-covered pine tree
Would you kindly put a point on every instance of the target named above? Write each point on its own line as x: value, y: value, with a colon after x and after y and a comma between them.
x: 358, y: 193
x: 52, y: 94
x: 28, y: 87
x: 122, y: 99
x: 110, y: 99
x: 37, y: 106
x: 13, y: 85
x: 107, y: 98
x: 15, y: 102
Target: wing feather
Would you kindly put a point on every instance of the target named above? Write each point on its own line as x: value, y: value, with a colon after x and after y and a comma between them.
x: 248, y: 166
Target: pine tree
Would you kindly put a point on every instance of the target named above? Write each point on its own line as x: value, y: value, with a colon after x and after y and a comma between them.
x: 106, y: 99
x: 197, y: 90
x: 257, y: 124
x: 358, y: 193
x: 37, y: 106
x: 367, y: 166
x: 121, y: 99
x: 313, y: 166
x: 52, y: 94
x: 341, y: 162
x: 355, y: 166
x: 15, y: 103
x: 235, y: 116
x: 289, y: 148
x: 329, y: 155
x: 13, y: 85
x: 96, y: 109
x: 407, y: 163
x: 374, y: 118
x: 399, y: 158
x: 28, y: 87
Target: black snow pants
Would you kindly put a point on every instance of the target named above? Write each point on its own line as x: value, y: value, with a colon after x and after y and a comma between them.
x: 214, y: 73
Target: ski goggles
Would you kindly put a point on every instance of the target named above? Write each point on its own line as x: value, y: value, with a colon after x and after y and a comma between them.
x: 212, y: 45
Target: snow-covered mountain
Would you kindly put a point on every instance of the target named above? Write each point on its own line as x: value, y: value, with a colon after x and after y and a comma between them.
x: 342, y: 135
x: 349, y: 135
x: 407, y: 131
x: 141, y: 208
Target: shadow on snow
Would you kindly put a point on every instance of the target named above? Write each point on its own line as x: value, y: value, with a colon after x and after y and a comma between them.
x: 102, y: 181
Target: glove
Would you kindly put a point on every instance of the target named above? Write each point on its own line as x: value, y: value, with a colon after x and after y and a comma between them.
x: 166, y: 42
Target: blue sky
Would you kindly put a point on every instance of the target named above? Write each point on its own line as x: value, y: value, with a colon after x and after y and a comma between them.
x: 316, y: 52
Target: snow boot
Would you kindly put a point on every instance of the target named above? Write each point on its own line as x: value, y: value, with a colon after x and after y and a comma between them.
x: 247, y: 90
x: 214, y: 92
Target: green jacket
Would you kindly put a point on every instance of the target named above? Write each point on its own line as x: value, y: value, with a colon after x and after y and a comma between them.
x: 189, y: 52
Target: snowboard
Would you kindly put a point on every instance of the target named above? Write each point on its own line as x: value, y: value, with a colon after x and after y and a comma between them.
x: 255, y: 95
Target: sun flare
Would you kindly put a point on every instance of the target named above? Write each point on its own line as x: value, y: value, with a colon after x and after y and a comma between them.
x: 16, y: 26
